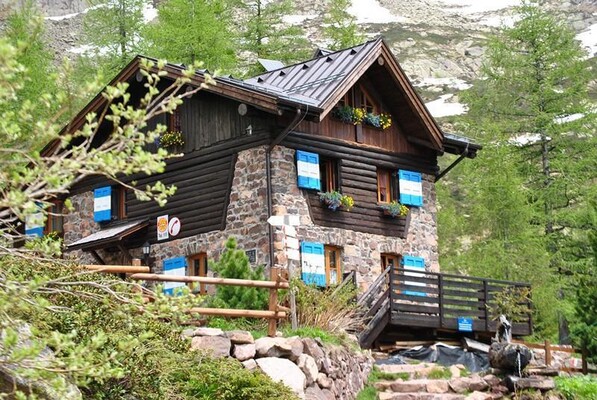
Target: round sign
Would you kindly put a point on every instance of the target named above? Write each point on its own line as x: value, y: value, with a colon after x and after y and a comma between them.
x: 162, y: 224
x: 174, y: 226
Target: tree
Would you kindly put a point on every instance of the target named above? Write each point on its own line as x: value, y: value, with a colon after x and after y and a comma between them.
x: 266, y: 35
x: 111, y: 30
x: 191, y: 30
x: 533, y: 92
x: 340, y: 26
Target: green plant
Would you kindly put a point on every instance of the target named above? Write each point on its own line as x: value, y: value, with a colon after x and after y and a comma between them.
x: 332, y: 311
x: 358, y: 115
x: 171, y: 139
x: 439, y: 373
x: 385, y: 120
x: 513, y: 302
x: 335, y: 200
x: 577, y: 387
x: 234, y: 263
x: 315, y: 332
x: 344, y: 114
x: 369, y: 392
x: 395, y: 209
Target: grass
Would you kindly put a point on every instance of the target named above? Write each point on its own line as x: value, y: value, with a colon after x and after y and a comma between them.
x: 439, y: 373
x: 369, y: 392
x: 577, y: 387
x: 313, y: 332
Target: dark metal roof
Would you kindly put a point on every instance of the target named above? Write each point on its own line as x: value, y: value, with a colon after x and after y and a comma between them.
x: 109, y: 236
x: 460, y: 145
x: 312, y: 82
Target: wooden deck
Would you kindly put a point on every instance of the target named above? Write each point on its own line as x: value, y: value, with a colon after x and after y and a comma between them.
x: 408, y: 299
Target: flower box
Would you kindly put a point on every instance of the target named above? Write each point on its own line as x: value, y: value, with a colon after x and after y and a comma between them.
x: 335, y: 200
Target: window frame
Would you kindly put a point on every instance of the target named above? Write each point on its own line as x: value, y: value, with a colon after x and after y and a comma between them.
x: 175, y: 120
x: 329, y: 176
x: 53, y: 215
x: 197, y: 270
x: 337, y: 252
x: 392, y: 189
x: 366, y: 103
x: 396, y: 258
x: 118, y: 205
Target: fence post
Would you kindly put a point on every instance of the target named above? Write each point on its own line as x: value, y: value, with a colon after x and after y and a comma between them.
x: 584, y: 354
x: 485, y: 304
x: 272, y: 323
x: 440, y: 289
x: 547, y: 353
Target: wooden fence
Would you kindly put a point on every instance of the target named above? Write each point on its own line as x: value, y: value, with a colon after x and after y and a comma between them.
x: 549, y: 348
x: 276, y: 282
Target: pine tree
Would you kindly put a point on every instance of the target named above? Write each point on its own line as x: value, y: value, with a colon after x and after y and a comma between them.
x: 194, y: 30
x: 341, y: 27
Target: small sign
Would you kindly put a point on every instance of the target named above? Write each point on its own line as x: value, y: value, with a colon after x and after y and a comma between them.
x: 292, y: 243
x: 465, y: 324
x: 162, y: 227
x: 174, y: 226
x: 294, y: 255
x: 252, y: 255
x: 289, y: 231
x: 280, y: 220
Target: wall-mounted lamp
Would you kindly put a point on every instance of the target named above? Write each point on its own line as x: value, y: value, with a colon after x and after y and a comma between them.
x: 249, y: 130
x: 146, y: 248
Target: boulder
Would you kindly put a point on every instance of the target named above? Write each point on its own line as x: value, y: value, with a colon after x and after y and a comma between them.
x: 417, y: 385
x: 329, y: 395
x: 509, y: 356
x: 307, y: 364
x: 311, y: 348
x: 324, y: 381
x: 208, y: 332
x: 296, y: 345
x: 314, y: 393
x: 476, y: 383
x: 273, y: 347
x: 535, y: 382
x: 479, y: 396
x: 285, y: 371
x: 216, y: 346
x: 438, y: 386
x: 250, y: 364
x: 240, y: 337
x: 243, y: 352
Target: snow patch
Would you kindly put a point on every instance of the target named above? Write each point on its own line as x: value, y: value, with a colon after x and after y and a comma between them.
x: 568, y: 118
x: 370, y: 11
x: 527, y: 139
x: 297, y: 19
x: 73, y: 15
x: 499, y: 21
x: 453, y: 83
x: 588, y: 39
x: 440, y: 108
x: 149, y: 13
x: 479, y: 6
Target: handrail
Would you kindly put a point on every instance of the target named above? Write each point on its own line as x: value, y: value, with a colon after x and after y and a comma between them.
x: 351, y: 277
x: 374, y: 287
x: 472, y: 278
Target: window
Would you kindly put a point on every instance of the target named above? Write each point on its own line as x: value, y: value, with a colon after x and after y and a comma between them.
x: 119, y: 204
x: 387, y: 186
x: 174, y: 121
x: 333, y: 265
x: 328, y: 175
x: 389, y: 260
x: 197, y: 266
x: 109, y: 204
x: 55, y: 219
x: 366, y: 102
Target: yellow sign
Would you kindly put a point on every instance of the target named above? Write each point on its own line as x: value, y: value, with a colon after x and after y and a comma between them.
x: 162, y: 225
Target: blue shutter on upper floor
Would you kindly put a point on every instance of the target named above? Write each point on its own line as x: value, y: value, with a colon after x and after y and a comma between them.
x: 307, y: 168
x: 411, y: 188
x: 102, y: 204
x: 313, y: 263
x: 174, y: 266
x: 411, y: 263
x: 34, y: 223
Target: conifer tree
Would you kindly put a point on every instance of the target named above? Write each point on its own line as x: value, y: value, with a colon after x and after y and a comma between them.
x: 340, y: 27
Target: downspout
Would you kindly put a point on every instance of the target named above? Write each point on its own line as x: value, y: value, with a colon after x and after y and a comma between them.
x: 268, y: 173
x: 455, y: 163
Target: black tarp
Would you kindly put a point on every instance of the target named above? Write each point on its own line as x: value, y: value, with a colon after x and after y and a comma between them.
x: 474, y: 361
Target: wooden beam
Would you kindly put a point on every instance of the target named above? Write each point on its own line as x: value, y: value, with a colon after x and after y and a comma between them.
x: 238, y: 313
x: 97, y: 257
x: 210, y: 281
x: 116, y: 269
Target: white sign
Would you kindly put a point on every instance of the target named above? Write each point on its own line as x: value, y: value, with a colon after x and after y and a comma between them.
x: 280, y: 220
x: 162, y: 227
x: 293, y: 254
x: 174, y: 226
x: 289, y: 231
x: 292, y: 243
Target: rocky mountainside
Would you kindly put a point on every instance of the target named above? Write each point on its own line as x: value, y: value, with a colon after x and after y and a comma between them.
x: 439, y: 43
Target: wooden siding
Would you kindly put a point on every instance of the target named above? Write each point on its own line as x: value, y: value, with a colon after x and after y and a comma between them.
x: 358, y: 179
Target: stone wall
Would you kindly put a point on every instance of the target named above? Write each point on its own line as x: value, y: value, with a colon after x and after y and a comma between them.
x: 361, y: 252
x: 247, y: 220
x: 312, y: 369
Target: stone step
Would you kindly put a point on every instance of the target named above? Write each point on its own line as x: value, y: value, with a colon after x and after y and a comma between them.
x: 415, y: 385
x: 419, y: 396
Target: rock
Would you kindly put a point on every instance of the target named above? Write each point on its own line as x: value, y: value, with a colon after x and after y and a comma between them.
x: 540, y: 383
x: 324, y: 381
x: 285, y: 371
x: 474, y: 51
x: 311, y: 348
x: 417, y: 385
x: 328, y: 394
x: 459, y: 385
x: 240, y: 337
x: 307, y: 364
x: 476, y: 383
x: 208, y: 332
x: 250, y: 364
x: 187, y: 333
x: 509, y: 356
x: 479, y: 396
x: 217, y: 346
x: 314, y: 393
x: 455, y: 371
x: 272, y: 347
x: 297, y: 347
x: 437, y: 386
x: 492, y: 380
x: 244, y: 352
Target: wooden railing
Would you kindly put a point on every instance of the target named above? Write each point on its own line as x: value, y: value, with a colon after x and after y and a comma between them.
x: 436, y: 300
x: 276, y: 282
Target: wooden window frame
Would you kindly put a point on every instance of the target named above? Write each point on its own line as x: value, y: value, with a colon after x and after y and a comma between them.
x: 329, y: 174
x: 365, y: 101
x: 54, y: 214
x: 119, y: 206
x: 174, y: 121
x: 385, y: 257
x: 337, y: 252
x: 391, y: 183
x: 200, y: 270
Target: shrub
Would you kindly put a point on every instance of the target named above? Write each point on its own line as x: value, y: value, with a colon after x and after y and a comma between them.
x: 234, y: 263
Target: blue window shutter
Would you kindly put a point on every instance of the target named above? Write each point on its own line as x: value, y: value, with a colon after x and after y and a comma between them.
x: 411, y: 188
x: 313, y: 263
x: 102, y: 204
x: 307, y: 167
x: 412, y: 263
x: 34, y: 225
x: 174, y: 266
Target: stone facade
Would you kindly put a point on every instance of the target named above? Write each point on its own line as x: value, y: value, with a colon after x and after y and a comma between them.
x: 247, y: 221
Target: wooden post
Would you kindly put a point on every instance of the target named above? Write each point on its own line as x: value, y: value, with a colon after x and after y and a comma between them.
x: 440, y: 289
x: 547, y: 353
x: 485, y: 303
x: 584, y: 354
x: 272, y: 323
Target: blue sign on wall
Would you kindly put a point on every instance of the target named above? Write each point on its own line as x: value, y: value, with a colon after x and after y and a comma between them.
x: 465, y: 324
